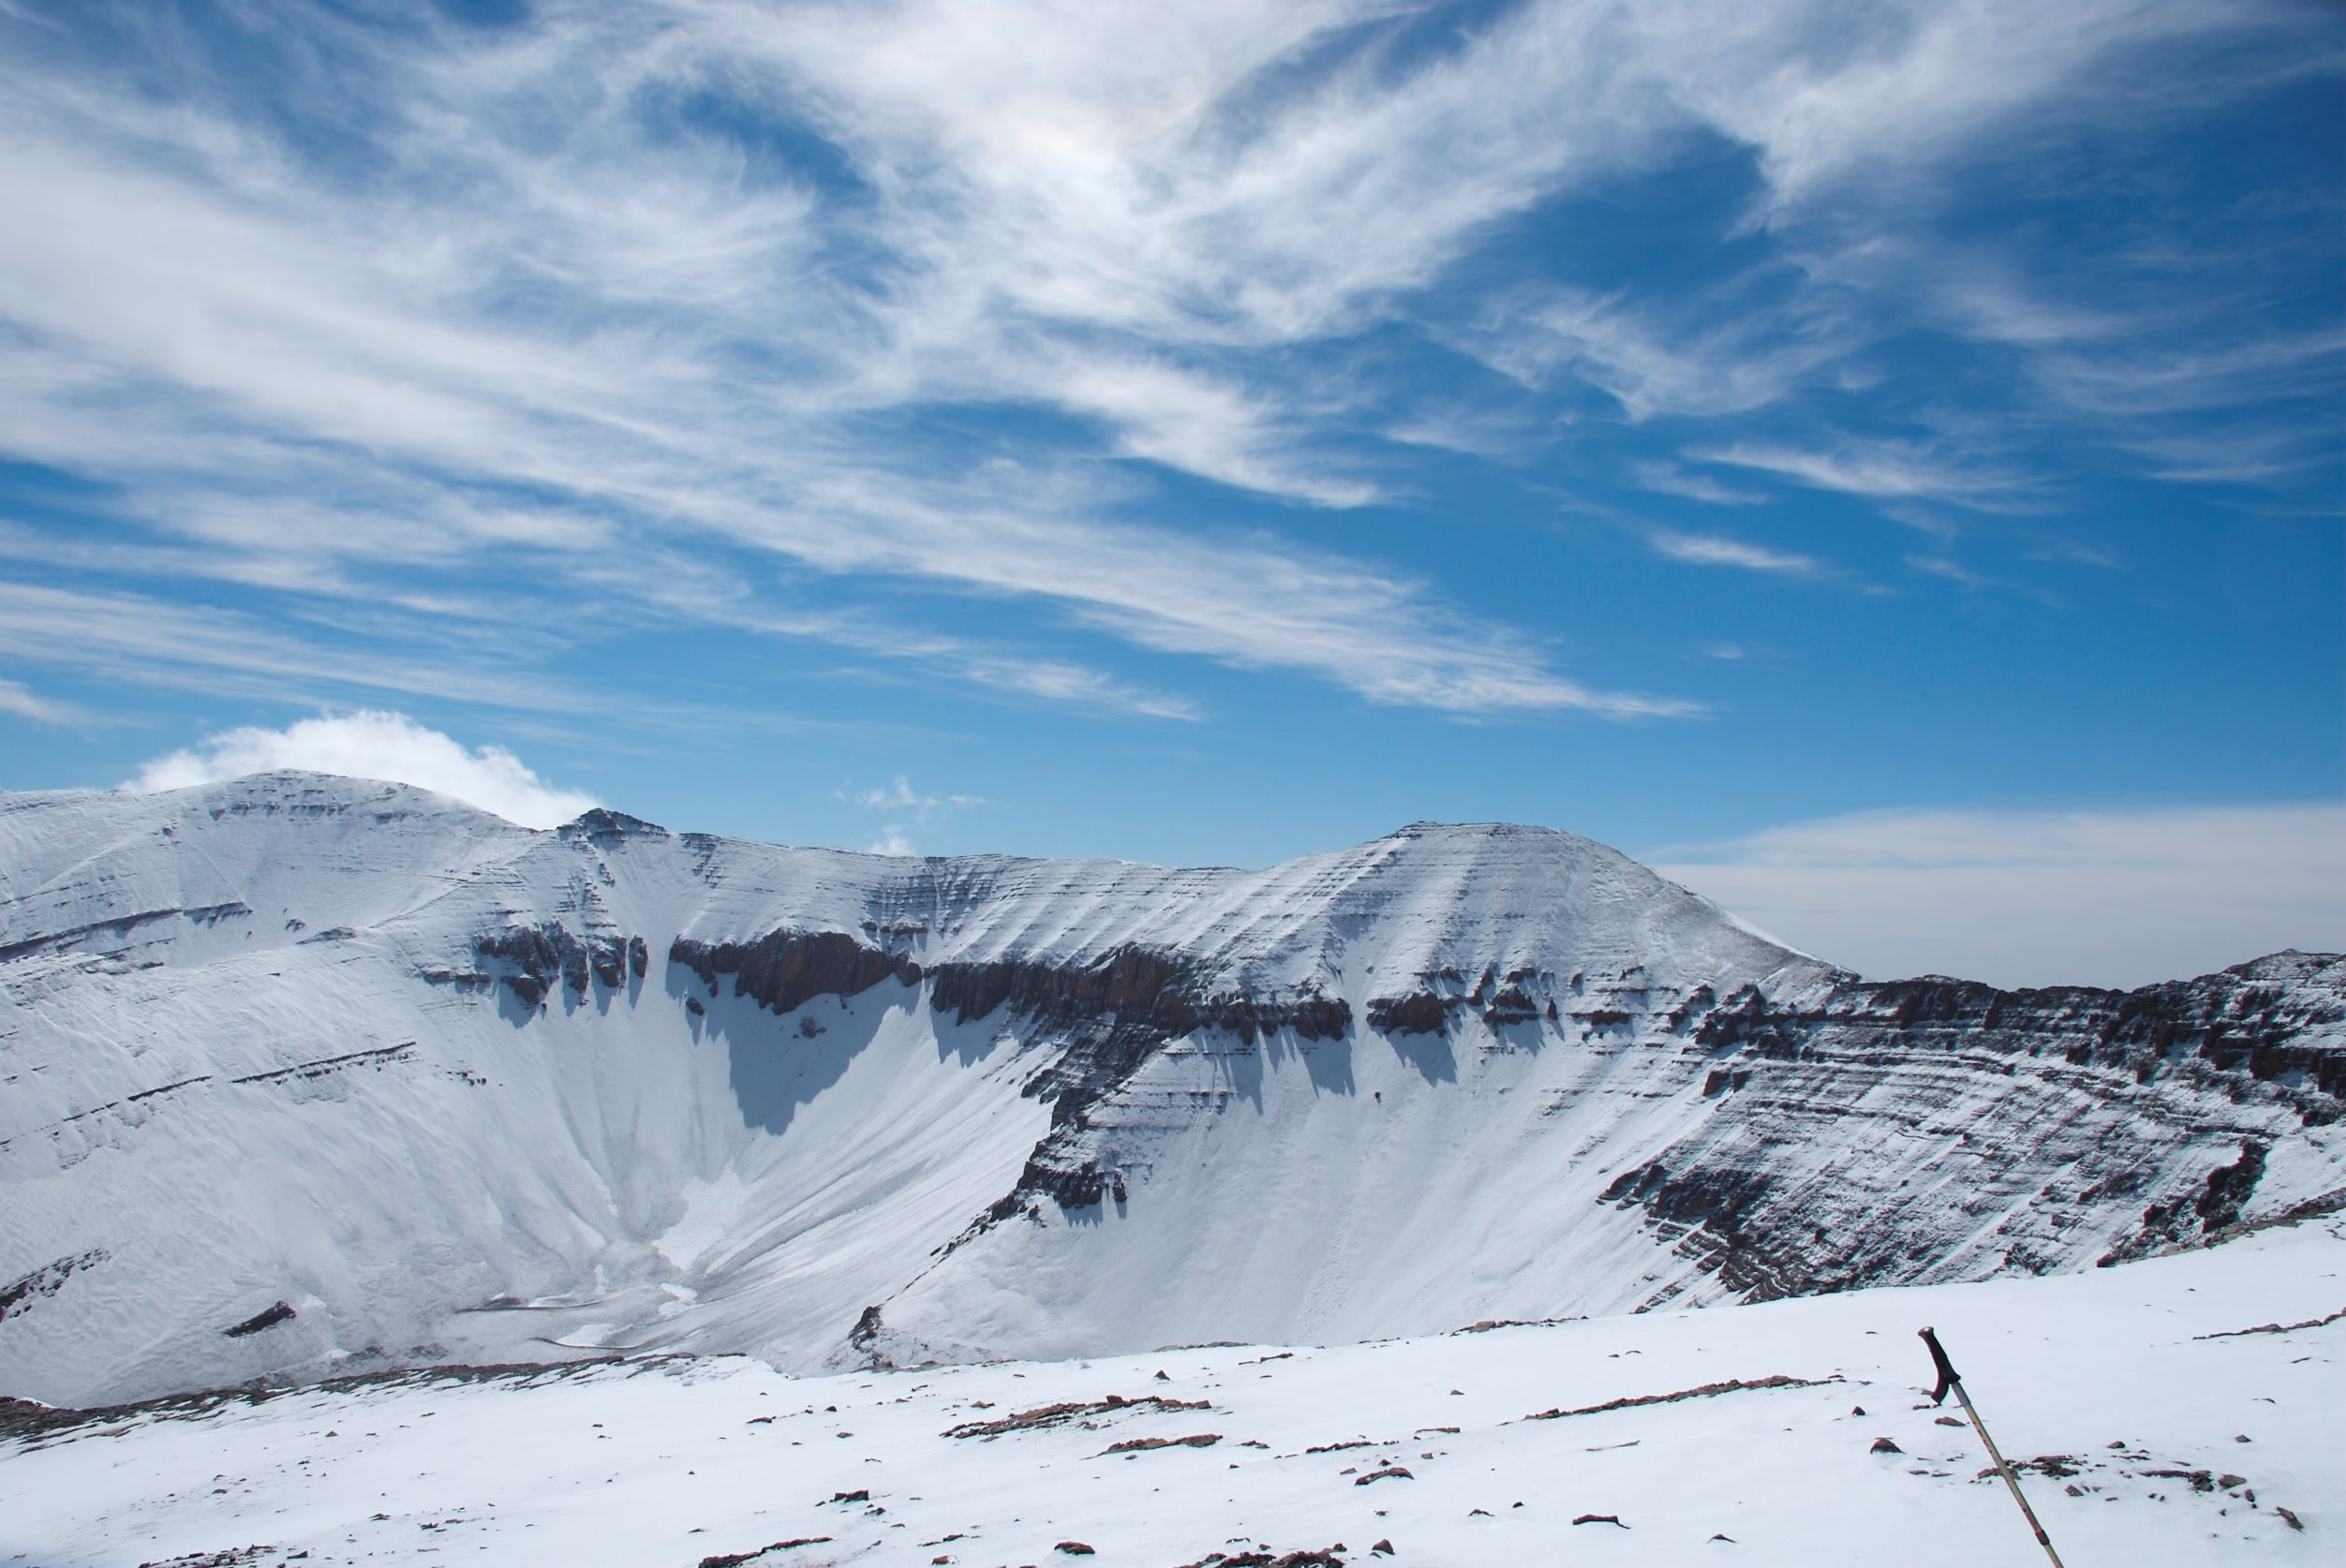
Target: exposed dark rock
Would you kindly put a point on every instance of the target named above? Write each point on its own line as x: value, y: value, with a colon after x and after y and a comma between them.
x: 267, y: 1318
x: 606, y: 829
x: 48, y: 1280
x: 1883, y: 1445
x: 734, y: 1559
x: 783, y: 970
x: 1142, y: 1446
x: 1511, y: 1004
x: 1072, y: 1411
x: 113, y: 936
x: 2054, y: 1101
x: 1702, y: 1391
x: 1115, y: 1013
x: 529, y: 958
x: 1415, y: 1013
x: 380, y: 1056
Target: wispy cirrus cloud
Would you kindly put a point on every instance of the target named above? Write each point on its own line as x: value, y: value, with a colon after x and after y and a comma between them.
x: 772, y: 283
x: 20, y: 701
x: 1673, y: 478
x: 1882, y: 470
x: 1718, y: 550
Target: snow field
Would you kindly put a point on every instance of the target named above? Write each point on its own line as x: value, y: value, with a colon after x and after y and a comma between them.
x: 671, y: 1460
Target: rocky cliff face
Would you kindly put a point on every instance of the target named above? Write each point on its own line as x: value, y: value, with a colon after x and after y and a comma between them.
x: 440, y: 1087
x: 2025, y: 1130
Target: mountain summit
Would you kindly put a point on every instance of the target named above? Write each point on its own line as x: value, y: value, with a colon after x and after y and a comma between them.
x: 301, y: 1074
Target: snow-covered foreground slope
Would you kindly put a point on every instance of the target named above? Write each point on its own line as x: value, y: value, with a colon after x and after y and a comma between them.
x: 304, y: 1075
x: 2151, y: 1430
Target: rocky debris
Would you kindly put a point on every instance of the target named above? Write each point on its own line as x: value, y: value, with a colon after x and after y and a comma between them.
x: 2085, y: 1474
x: 734, y: 1559
x: 2221, y: 1334
x: 266, y: 1318
x: 1326, y: 1556
x: 1703, y: 1391
x: 1390, y: 1472
x: 1074, y: 1548
x: 1883, y: 1445
x: 1384, y: 1547
x: 1599, y: 1518
x: 1136, y: 1445
x: 1075, y: 1412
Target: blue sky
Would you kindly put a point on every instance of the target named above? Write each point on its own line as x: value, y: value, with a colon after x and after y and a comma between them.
x: 1764, y: 437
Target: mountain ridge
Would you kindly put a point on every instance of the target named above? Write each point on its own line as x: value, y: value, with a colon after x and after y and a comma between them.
x: 447, y: 1089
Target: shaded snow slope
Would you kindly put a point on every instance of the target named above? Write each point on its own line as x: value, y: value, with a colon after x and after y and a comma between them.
x: 301, y: 1074
x: 2152, y: 1433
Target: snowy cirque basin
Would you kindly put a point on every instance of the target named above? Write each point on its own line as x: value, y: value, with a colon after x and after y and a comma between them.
x: 2151, y: 1428
x: 304, y: 1076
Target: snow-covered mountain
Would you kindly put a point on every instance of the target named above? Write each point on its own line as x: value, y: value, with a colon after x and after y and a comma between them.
x: 302, y: 1075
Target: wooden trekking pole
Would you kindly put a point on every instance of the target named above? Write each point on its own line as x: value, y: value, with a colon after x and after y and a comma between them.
x: 1950, y: 1378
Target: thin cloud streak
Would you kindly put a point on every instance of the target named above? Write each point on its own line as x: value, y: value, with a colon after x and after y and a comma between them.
x: 663, y: 331
x: 20, y: 701
x: 1717, y: 550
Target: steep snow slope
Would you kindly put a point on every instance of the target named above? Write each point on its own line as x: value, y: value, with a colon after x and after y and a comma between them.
x: 2153, y: 1433
x: 445, y: 1088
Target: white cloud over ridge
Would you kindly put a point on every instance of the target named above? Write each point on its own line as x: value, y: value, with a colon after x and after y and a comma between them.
x: 372, y: 743
x: 2116, y: 899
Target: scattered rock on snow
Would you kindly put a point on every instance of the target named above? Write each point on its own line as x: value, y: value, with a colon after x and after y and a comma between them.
x: 1136, y: 1445
x: 267, y: 1317
x: 734, y: 1559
